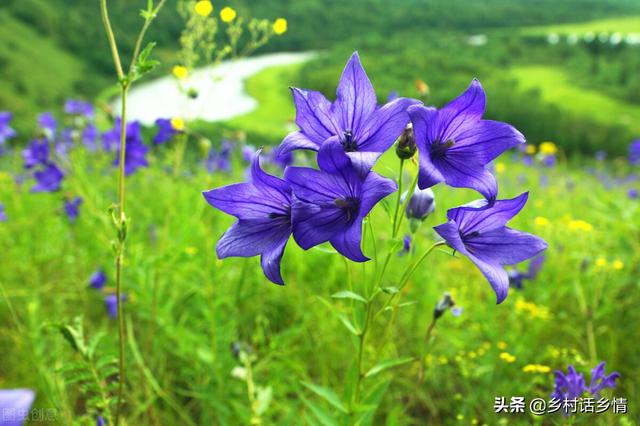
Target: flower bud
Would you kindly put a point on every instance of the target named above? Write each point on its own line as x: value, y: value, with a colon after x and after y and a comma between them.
x: 445, y: 303
x: 421, y: 204
x: 406, y: 146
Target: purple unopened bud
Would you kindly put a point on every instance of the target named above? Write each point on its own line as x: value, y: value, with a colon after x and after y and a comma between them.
x: 421, y: 204
x: 406, y: 146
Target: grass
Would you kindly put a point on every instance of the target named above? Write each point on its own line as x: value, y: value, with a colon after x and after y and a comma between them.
x: 34, y: 71
x: 556, y: 88
x: 186, y: 308
x: 623, y: 25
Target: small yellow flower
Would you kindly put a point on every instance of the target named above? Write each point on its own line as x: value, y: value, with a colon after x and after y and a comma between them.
x: 530, y: 149
x: 460, y: 417
x: 191, y: 251
x: 180, y: 72
x: 580, y: 225
x: 280, y: 26
x: 541, y: 221
x: 500, y: 168
x: 204, y: 8
x: 617, y: 264
x: 536, y: 368
x: 421, y: 87
x: 601, y: 262
x: 228, y: 14
x: 502, y: 345
x: 177, y: 124
x: 548, y: 148
x: 507, y: 357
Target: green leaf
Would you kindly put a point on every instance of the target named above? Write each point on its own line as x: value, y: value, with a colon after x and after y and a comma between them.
x: 385, y: 365
x: 346, y: 294
x: 326, y: 394
x: 144, y: 64
x: 344, y: 320
x: 323, y: 417
x: 395, y: 245
x: 391, y: 290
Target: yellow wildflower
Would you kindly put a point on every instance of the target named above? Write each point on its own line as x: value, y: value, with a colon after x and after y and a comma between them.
x: 507, y: 357
x: 191, y: 251
x: 180, y: 72
x: 204, y: 8
x: 536, y: 368
x: 502, y: 345
x: 421, y: 87
x: 541, y: 221
x: 500, y: 168
x: 580, y: 225
x: 601, y: 262
x: 530, y: 149
x: 228, y: 14
x: 280, y: 26
x: 533, y: 310
x: 548, y: 148
x: 618, y: 264
x: 177, y: 124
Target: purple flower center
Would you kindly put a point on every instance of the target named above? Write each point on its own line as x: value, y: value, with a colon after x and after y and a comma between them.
x: 349, y: 206
x: 282, y: 216
x: 439, y: 149
x: 349, y: 144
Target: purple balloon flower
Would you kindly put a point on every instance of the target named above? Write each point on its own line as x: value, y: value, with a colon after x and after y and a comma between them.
x: 72, y: 208
x: 135, y: 152
x: 634, y: 152
x: 166, y: 131
x: 220, y: 161
x: 98, y: 279
x: 111, y: 303
x: 15, y: 405
x: 90, y: 136
x: 568, y: 386
x: 455, y: 144
x: 478, y: 230
x: 599, y: 380
x: 6, y: 132
x: 3, y: 214
x: 517, y: 277
x: 329, y: 204
x: 36, y: 153
x: 48, y: 179
x: 48, y: 124
x: 633, y: 194
x: 77, y: 107
x: 364, y: 130
x: 263, y: 209
x: 421, y: 204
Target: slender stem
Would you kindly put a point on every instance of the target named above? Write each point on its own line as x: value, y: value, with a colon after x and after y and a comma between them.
x: 396, y: 228
x: 112, y: 39
x: 360, y: 360
x: 143, y: 31
x: 406, y: 201
x: 120, y: 256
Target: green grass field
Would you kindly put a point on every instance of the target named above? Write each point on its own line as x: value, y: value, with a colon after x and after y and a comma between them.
x: 185, y: 309
x: 556, y: 89
x: 622, y: 25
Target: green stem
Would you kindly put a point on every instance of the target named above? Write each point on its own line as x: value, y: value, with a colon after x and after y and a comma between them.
x: 406, y: 201
x: 112, y: 39
x: 396, y: 228
x: 360, y: 360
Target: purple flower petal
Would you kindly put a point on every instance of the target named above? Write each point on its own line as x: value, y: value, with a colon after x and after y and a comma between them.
x: 356, y: 99
x: 384, y: 126
x: 477, y: 216
x: 313, y: 115
x: 15, y: 405
x: 348, y: 242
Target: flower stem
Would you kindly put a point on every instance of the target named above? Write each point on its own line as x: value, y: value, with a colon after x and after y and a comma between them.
x: 396, y: 228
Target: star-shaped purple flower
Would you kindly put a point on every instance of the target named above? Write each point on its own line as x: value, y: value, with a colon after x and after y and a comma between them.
x: 220, y: 160
x: 364, y: 129
x: 263, y: 209
x: 77, y: 107
x: 6, y: 131
x: 600, y: 380
x: 478, y: 230
x: 111, y: 304
x: 72, y: 208
x: 568, y: 386
x: 136, y: 151
x: 517, y: 277
x: 455, y: 143
x: 48, y: 124
x: 329, y: 204
x: 36, y: 153
x: 166, y: 131
x: 98, y: 279
x: 48, y: 179
x: 634, y: 152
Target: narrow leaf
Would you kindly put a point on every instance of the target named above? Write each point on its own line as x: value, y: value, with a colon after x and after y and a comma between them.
x: 326, y: 394
x: 346, y: 294
x: 385, y: 365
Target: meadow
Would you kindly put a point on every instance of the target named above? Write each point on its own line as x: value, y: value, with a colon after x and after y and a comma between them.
x: 210, y: 341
